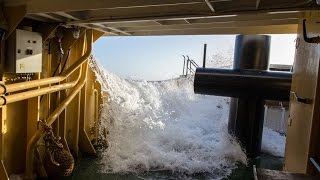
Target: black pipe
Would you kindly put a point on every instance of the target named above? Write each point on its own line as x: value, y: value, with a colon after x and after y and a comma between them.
x: 249, y: 84
x: 246, y: 115
x: 246, y: 119
x: 243, y: 83
x: 252, y: 52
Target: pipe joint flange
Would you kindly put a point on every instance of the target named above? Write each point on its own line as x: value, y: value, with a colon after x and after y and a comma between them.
x: 4, y: 100
x: 4, y: 87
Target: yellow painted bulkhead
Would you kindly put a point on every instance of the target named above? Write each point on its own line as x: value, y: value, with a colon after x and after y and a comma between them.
x: 76, y: 124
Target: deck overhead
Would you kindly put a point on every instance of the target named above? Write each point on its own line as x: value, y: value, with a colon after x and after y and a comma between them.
x: 172, y: 17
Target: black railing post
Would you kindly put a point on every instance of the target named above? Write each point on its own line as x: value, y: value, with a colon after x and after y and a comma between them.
x: 204, y: 55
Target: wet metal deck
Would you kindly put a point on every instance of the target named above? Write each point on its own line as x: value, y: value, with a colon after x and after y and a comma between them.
x: 265, y: 174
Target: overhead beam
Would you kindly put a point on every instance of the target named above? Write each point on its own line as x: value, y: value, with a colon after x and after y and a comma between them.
x: 48, y: 16
x: 203, y: 19
x: 37, y: 18
x: 111, y: 28
x: 208, y: 19
x: 99, y: 25
x: 105, y: 29
x: 69, y: 17
x: 118, y: 30
x: 66, y: 15
x: 278, y: 29
x: 231, y: 24
x: 43, y: 6
x: 100, y: 28
x: 145, y: 8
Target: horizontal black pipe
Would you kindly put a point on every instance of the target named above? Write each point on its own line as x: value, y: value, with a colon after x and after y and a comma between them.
x: 243, y: 83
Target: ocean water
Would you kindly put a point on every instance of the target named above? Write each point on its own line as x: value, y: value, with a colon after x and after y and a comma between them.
x: 164, y: 128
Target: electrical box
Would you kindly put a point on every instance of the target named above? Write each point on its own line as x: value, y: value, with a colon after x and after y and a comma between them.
x: 24, y: 52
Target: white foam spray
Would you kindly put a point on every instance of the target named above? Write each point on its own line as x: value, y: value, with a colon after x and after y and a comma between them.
x: 165, y: 126
x: 273, y: 142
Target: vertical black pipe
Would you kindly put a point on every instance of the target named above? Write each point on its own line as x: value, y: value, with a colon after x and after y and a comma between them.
x: 246, y: 114
x: 246, y: 123
x: 252, y: 52
x: 204, y: 55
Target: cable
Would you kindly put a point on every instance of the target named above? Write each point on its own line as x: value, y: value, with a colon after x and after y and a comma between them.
x: 60, y: 61
x: 56, y: 70
x: 65, y: 62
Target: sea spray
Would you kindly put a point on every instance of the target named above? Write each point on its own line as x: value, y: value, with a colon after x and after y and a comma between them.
x: 165, y: 126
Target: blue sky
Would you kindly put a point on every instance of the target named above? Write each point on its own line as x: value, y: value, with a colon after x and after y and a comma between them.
x: 160, y: 57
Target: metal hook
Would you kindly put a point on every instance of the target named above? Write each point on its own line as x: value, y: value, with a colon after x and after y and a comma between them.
x: 300, y: 99
x: 306, y: 38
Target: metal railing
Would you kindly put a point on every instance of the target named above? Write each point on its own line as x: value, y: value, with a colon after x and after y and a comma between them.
x: 189, y: 66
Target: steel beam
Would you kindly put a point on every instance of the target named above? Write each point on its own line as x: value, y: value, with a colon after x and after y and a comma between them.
x: 254, y: 15
x: 278, y: 29
x: 43, y: 6
x: 211, y: 25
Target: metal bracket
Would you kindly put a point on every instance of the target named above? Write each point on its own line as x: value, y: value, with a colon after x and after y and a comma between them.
x: 300, y: 99
x: 306, y: 38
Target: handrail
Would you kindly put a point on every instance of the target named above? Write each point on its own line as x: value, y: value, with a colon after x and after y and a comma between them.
x: 41, y: 82
x: 190, y: 67
x: 38, y: 92
x: 34, y: 93
x: 194, y: 63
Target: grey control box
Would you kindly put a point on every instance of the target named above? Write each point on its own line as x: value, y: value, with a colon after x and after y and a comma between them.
x: 24, y: 52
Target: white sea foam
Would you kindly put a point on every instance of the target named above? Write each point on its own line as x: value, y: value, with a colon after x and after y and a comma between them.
x: 273, y: 142
x: 165, y: 126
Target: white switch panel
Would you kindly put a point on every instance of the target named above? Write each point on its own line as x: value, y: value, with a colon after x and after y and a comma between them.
x: 24, y: 52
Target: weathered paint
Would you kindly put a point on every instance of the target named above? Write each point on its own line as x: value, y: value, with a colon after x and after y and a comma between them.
x: 303, y: 119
